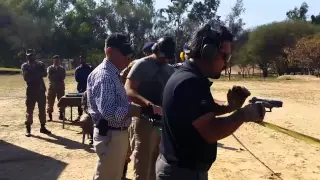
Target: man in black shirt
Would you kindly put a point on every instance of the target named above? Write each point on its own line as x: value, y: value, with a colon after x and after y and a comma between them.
x: 81, y: 75
x: 191, y: 127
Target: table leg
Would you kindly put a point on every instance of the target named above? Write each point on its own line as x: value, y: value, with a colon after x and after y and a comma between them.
x: 71, y: 114
x: 64, y: 117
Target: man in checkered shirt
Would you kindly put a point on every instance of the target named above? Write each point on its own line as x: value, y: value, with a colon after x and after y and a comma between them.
x: 110, y: 110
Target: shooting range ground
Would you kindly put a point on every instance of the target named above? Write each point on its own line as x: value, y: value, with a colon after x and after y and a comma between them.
x: 65, y: 158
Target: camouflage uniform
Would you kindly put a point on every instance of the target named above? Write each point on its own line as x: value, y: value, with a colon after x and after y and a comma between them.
x: 33, y: 74
x: 56, y: 75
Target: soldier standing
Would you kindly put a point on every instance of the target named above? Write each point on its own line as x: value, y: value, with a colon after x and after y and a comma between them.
x: 56, y: 75
x: 81, y: 76
x: 33, y: 73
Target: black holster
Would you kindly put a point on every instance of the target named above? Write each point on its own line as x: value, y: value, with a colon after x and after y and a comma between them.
x: 103, y: 127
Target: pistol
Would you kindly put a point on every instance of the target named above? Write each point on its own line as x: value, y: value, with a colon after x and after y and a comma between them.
x: 267, y: 103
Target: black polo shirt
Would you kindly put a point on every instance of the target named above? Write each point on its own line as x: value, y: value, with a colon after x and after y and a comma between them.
x: 186, y: 97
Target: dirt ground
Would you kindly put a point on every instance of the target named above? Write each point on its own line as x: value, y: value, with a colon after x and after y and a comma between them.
x: 62, y: 156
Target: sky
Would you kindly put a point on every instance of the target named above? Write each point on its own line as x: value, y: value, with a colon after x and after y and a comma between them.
x: 259, y: 12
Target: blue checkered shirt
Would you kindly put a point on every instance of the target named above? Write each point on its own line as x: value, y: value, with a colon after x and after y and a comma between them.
x: 107, y: 98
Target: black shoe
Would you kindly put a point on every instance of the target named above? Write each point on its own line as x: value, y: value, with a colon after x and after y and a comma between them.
x: 61, y: 116
x: 44, y: 130
x: 50, y: 117
x: 28, y: 132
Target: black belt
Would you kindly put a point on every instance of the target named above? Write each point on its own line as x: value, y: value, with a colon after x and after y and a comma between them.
x: 196, y: 166
x: 118, y: 128
x: 104, y: 127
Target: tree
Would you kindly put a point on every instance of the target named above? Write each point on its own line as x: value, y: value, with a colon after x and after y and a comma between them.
x: 241, y: 56
x: 305, y: 54
x: 235, y: 23
x: 298, y: 13
x: 315, y: 19
x: 174, y: 18
x: 204, y: 11
x: 266, y: 42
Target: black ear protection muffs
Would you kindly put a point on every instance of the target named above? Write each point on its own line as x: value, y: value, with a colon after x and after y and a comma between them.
x: 164, y: 48
x: 208, y: 52
x: 209, y: 46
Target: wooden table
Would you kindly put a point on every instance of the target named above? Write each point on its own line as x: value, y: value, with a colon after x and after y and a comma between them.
x: 70, y: 100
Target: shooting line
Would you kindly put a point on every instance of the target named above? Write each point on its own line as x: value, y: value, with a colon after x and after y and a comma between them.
x: 273, y: 173
x: 277, y: 104
x: 302, y: 137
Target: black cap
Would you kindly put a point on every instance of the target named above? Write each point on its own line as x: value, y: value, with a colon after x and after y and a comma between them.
x: 30, y: 52
x: 55, y: 57
x: 167, y: 46
x: 120, y: 42
x: 147, y: 47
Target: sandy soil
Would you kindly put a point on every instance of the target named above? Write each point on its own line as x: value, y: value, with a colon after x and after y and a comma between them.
x: 63, y: 157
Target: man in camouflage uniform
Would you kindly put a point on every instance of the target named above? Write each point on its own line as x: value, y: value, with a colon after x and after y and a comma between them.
x: 56, y: 75
x: 33, y: 73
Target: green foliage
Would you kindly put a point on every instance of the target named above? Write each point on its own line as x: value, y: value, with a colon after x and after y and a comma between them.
x: 315, y: 19
x: 266, y: 42
x: 178, y: 21
x: 204, y: 11
x: 298, y: 13
x: 95, y: 57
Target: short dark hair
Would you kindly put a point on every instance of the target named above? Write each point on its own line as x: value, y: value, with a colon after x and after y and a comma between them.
x: 207, y: 35
x: 120, y: 42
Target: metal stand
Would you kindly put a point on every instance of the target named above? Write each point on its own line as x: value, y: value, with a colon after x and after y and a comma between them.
x: 64, y: 117
x: 71, y: 113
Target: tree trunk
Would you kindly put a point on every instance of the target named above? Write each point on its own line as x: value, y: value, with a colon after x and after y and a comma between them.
x: 229, y: 73
x: 253, y: 71
x: 265, y: 73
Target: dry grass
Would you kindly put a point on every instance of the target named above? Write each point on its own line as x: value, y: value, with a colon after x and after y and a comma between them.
x: 63, y: 157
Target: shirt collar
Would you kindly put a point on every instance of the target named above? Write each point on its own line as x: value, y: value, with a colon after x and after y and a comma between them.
x: 191, y: 66
x: 109, y: 66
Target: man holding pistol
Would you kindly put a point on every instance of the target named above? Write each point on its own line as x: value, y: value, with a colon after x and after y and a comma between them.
x: 191, y: 124
x: 56, y: 75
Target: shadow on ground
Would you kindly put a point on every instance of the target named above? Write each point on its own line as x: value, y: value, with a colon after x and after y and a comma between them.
x: 67, y: 143
x: 220, y: 145
x: 17, y: 163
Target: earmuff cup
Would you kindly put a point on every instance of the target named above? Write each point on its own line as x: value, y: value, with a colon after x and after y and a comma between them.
x: 208, y: 52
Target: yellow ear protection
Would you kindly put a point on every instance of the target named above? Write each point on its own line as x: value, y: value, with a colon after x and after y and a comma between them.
x: 182, y: 56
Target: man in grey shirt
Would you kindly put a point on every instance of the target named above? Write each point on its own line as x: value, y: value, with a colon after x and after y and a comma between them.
x: 144, y: 86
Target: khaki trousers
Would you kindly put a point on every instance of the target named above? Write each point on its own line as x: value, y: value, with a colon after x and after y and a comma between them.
x: 31, y: 100
x: 54, y: 92
x: 111, y: 151
x: 146, y: 149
